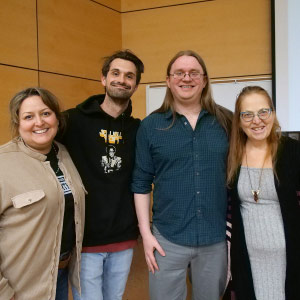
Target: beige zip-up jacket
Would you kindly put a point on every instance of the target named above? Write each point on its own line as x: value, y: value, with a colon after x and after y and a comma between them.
x: 31, y: 219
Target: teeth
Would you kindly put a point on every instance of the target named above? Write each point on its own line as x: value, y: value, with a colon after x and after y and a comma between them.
x: 258, y: 128
x: 186, y: 86
x: 40, y: 131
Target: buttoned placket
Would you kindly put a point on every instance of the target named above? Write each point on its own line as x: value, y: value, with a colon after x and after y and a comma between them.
x: 196, y: 162
x: 54, y: 269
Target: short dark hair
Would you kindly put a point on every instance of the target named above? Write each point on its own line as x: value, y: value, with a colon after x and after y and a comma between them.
x: 126, y: 55
x: 47, y: 97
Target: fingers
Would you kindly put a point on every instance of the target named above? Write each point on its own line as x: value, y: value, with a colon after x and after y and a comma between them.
x: 150, y: 245
x: 151, y: 263
x: 160, y: 250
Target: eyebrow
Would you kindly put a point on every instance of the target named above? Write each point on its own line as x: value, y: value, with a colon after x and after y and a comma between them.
x: 30, y: 112
x: 192, y: 70
x: 257, y: 110
x: 115, y: 69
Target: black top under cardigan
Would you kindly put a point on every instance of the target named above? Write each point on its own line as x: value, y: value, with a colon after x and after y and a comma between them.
x: 288, y: 191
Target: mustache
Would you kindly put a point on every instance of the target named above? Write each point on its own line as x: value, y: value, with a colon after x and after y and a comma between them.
x: 117, y: 83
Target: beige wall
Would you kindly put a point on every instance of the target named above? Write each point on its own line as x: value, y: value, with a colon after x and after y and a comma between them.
x: 59, y: 45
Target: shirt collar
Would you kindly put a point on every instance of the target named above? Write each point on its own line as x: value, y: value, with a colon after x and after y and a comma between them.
x: 169, y: 113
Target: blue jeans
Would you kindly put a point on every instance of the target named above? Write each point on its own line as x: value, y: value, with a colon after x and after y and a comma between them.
x: 62, y: 284
x: 103, y: 276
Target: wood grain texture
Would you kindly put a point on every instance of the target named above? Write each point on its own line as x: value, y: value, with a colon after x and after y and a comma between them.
x: 128, y: 5
x: 233, y: 36
x: 70, y: 91
x: 139, y: 102
x: 74, y: 36
x: 114, y: 4
x: 13, y: 80
x: 18, y: 33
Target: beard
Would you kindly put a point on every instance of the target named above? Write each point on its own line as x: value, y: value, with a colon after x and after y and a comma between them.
x: 118, y: 94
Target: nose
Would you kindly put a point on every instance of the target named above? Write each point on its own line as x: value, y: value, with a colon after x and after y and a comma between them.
x: 256, y: 119
x: 39, y: 121
x: 121, y: 78
x: 187, y: 77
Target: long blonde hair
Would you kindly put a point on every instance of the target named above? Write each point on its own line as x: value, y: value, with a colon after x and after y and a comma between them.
x: 238, y: 138
x: 222, y: 114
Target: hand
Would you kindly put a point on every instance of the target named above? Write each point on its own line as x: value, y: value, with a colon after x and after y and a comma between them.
x: 150, y: 245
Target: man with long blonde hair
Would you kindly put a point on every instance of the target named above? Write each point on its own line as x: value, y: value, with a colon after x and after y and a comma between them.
x: 182, y: 149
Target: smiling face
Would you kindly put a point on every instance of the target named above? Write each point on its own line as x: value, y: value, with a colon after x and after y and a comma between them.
x: 186, y: 90
x: 120, y: 81
x: 38, y: 124
x: 256, y: 130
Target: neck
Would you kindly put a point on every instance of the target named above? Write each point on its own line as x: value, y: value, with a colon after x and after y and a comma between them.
x: 258, y: 155
x: 257, y: 145
x: 188, y: 109
x: 191, y: 111
x: 114, y: 107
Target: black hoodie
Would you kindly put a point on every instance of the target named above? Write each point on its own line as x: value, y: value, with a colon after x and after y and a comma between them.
x: 105, y: 163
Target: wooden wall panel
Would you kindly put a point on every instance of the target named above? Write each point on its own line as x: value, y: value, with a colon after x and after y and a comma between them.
x: 18, y: 33
x: 139, y: 102
x: 114, y: 4
x: 70, y: 91
x: 74, y: 35
x: 233, y: 36
x: 13, y: 80
x: 128, y: 5
x: 137, y: 284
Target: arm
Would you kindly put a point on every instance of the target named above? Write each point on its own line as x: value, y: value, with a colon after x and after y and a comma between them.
x: 142, y: 205
x: 6, y: 291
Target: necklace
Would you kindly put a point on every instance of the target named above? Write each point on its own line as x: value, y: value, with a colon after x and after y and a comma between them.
x: 254, y: 192
x: 56, y: 159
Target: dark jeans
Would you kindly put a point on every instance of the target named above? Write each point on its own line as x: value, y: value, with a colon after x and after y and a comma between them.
x: 62, y: 284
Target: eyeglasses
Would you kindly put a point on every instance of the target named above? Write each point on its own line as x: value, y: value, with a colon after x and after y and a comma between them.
x: 181, y: 75
x: 263, y: 114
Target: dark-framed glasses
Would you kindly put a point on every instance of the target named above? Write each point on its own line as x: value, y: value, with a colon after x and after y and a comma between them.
x: 263, y: 114
x: 192, y: 75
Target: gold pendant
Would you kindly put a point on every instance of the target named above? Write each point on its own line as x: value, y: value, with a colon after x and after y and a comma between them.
x: 255, y: 195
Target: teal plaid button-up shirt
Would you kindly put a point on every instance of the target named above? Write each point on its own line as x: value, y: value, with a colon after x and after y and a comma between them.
x: 188, y: 169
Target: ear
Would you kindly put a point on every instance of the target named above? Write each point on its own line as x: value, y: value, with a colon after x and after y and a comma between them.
x: 103, y: 80
x: 168, y: 81
x: 204, y: 81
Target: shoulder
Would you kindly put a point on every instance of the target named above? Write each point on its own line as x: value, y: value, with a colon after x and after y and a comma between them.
x: 155, y: 119
x: 225, y: 111
x: 11, y: 146
x: 134, y: 121
x: 288, y: 154
x: 63, y: 152
x: 70, y: 113
x: 289, y: 146
x: 61, y: 147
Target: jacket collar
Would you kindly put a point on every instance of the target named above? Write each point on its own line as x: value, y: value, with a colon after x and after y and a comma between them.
x: 34, y: 154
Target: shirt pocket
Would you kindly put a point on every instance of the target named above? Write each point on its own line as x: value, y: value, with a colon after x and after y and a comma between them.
x: 27, y: 198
